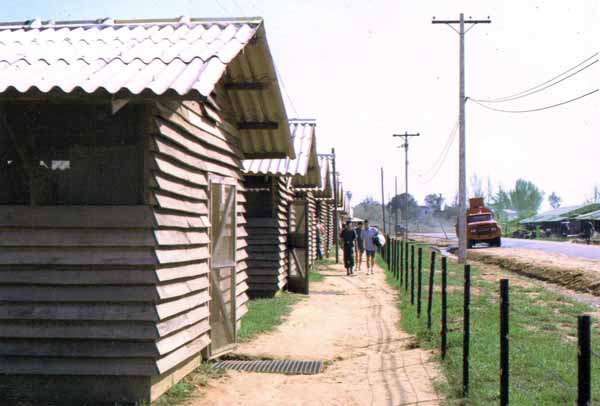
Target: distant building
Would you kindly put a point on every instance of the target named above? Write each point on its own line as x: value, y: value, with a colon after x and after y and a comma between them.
x: 565, y: 219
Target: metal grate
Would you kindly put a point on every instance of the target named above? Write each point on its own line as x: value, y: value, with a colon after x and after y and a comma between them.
x: 288, y: 367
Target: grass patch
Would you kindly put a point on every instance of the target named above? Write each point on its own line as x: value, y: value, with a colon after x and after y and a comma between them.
x: 265, y: 314
x: 315, y: 274
x: 189, y: 386
x: 543, y: 331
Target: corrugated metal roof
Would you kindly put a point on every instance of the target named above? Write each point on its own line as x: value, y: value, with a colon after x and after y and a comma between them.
x: 558, y: 214
x: 595, y: 215
x: 304, y: 168
x: 161, y: 57
x: 326, y: 189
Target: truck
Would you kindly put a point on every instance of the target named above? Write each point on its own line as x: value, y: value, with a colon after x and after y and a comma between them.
x: 481, y: 226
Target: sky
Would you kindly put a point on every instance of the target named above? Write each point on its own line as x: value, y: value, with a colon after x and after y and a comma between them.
x: 368, y: 69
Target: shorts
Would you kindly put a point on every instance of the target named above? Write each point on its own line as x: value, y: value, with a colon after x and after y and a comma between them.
x: 370, y: 253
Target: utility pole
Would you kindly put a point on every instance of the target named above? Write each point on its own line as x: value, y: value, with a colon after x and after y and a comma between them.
x: 405, y: 146
x: 336, y: 237
x: 395, y: 196
x: 462, y: 169
x: 382, y: 201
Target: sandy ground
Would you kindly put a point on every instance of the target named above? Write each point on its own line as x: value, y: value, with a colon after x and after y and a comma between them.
x: 351, y: 322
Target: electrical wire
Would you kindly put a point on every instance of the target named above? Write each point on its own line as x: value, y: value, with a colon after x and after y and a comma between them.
x: 536, y: 109
x: 286, y: 92
x: 540, y: 89
x: 541, y: 84
x: 222, y: 8
x: 443, y: 159
x: 446, y: 146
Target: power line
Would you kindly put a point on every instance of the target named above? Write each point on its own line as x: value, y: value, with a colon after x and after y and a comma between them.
x: 450, y: 137
x: 536, y: 109
x: 222, y: 8
x: 537, y: 90
x: 543, y: 83
x: 441, y: 164
x: 286, y: 92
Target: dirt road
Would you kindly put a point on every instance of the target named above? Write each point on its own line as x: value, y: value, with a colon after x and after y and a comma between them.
x: 352, y: 322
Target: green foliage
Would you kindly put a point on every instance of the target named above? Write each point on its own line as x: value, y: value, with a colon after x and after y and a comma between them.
x: 265, y: 314
x: 526, y: 198
x: 554, y: 200
x: 434, y: 201
x: 543, y: 345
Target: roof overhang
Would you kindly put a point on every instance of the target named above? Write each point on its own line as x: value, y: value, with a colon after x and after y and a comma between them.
x: 304, y: 170
x: 120, y: 61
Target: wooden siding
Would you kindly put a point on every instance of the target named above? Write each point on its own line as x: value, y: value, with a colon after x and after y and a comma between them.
x: 267, y: 235
x: 123, y: 291
x: 79, y: 291
x: 311, y: 224
x: 188, y: 149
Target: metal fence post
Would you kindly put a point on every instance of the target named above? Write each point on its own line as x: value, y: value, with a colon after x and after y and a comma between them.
x: 419, y: 280
x: 584, y: 360
x: 467, y: 330
x: 444, y: 305
x: 397, y: 260
x: 401, y: 261
x: 412, y: 274
x: 430, y: 297
x: 406, y: 265
x: 504, y: 367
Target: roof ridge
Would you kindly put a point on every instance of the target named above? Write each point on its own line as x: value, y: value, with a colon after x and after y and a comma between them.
x: 107, y: 21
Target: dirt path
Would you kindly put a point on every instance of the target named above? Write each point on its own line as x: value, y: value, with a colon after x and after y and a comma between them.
x: 352, y: 322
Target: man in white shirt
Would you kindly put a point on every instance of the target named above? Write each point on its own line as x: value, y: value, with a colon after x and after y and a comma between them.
x: 367, y: 235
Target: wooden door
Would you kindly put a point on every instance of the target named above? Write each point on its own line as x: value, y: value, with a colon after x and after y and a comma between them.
x: 298, y: 246
x: 222, y: 267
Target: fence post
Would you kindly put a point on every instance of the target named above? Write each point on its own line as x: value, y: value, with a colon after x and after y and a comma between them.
x: 406, y: 265
x: 504, y: 368
x: 444, y: 305
x: 397, y: 260
x: 430, y: 297
x: 584, y: 360
x: 401, y: 261
x: 395, y: 248
x: 412, y: 274
x: 467, y: 330
x: 419, y: 280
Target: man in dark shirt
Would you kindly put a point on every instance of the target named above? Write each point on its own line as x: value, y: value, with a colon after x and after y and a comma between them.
x: 348, y: 237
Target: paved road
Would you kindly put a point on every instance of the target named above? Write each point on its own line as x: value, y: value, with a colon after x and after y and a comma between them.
x: 566, y: 248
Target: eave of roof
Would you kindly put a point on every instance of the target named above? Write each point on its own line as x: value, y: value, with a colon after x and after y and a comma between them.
x: 304, y: 169
x: 152, y: 59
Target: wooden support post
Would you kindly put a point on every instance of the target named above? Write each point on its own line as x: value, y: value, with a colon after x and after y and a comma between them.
x: 584, y: 360
x: 430, y: 297
x: 444, y: 331
x: 412, y: 274
x: 504, y: 371
x: 419, y: 280
x: 406, y: 265
x: 466, y: 329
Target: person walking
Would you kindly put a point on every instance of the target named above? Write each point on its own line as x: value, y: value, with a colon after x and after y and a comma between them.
x: 360, y: 246
x: 367, y: 235
x: 348, y: 237
x: 320, y: 233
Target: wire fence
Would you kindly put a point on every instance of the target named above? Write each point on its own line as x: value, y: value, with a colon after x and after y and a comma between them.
x: 396, y: 254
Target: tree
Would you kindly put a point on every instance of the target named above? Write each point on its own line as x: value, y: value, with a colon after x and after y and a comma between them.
x: 554, y: 200
x: 476, y: 186
x: 398, y: 203
x: 434, y: 201
x: 369, y: 209
x: 526, y: 198
x: 594, y: 197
